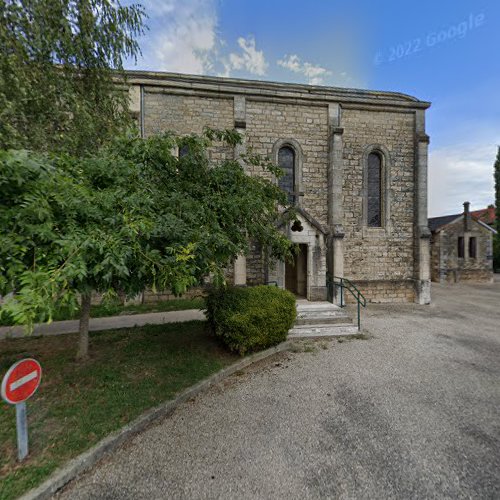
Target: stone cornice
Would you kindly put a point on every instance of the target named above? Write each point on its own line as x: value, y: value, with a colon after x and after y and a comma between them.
x: 261, y: 90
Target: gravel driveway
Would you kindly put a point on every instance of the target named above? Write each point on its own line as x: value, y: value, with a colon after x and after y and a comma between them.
x: 411, y: 412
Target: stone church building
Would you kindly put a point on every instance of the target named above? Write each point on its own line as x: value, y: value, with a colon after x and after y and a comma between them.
x: 355, y: 164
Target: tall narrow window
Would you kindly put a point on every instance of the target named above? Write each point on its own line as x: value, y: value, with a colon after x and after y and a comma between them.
x: 183, y: 150
x: 286, y: 161
x: 460, y: 247
x: 374, y: 190
x: 472, y: 247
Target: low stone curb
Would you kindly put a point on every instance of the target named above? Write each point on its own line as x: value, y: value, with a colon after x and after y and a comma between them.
x: 86, y: 460
x: 106, y: 323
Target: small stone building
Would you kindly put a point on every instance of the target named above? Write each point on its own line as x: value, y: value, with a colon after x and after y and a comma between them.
x: 461, y: 248
x: 355, y: 164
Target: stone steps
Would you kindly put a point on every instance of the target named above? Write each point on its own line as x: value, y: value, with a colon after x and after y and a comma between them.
x: 321, y: 331
x: 320, y: 320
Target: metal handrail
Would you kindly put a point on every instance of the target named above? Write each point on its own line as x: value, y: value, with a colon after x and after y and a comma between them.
x: 353, y: 290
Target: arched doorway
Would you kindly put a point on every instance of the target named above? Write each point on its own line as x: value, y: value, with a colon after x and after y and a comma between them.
x: 296, y: 273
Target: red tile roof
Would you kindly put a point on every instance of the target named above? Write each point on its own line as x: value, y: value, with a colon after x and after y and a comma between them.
x: 486, y: 215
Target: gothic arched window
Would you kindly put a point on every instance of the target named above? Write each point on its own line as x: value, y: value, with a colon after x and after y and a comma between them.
x: 286, y: 161
x: 374, y: 190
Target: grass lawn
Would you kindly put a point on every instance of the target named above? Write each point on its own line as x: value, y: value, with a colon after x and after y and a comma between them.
x: 115, y: 309
x: 129, y: 371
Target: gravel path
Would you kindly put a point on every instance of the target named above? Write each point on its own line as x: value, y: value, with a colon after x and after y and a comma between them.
x: 411, y: 412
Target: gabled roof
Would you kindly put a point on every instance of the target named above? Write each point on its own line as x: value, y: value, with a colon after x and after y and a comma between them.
x: 436, y: 223
x: 309, y: 218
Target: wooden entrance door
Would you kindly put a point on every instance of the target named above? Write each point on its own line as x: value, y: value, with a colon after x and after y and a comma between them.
x: 296, y: 273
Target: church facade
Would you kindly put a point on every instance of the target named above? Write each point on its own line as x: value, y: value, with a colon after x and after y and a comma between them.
x: 355, y: 164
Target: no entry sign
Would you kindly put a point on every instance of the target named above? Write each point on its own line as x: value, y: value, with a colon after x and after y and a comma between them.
x: 21, y: 381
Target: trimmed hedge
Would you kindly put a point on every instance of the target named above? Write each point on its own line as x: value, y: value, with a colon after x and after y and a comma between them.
x: 250, y: 319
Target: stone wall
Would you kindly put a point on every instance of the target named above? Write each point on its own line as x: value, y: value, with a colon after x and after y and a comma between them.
x: 186, y: 115
x: 435, y: 257
x: 385, y: 254
x: 384, y: 291
x: 449, y: 267
x: 255, y: 265
x: 381, y: 260
x: 268, y: 123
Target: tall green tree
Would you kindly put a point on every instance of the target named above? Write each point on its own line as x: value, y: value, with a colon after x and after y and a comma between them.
x: 496, y: 239
x: 58, y: 63
x: 132, y: 216
x: 69, y: 227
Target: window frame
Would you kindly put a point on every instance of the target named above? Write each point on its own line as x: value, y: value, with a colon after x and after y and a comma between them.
x: 292, y: 195
x: 298, y: 184
x: 379, y: 189
x: 472, y: 247
x: 461, y: 247
x: 385, y: 191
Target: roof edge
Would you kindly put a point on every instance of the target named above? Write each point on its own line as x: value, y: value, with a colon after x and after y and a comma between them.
x: 262, y: 87
x: 458, y: 218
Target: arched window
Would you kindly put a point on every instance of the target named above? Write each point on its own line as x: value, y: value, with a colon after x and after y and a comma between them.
x: 374, y: 190
x: 286, y: 161
x: 183, y: 150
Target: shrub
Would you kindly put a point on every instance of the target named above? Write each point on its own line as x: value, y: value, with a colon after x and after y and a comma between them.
x: 250, y: 319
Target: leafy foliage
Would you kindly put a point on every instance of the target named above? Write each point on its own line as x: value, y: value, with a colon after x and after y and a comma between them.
x: 211, y: 209
x: 250, y: 319
x: 131, y: 216
x: 56, y: 72
x: 71, y: 226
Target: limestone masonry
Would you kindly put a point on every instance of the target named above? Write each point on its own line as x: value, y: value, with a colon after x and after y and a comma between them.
x: 359, y: 174
x: 461, y: 248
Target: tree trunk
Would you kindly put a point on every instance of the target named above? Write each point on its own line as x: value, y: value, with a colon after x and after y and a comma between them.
x: 122, y: 297
x: 83, y: 341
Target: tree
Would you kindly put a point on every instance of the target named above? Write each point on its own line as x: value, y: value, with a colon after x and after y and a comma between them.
x: 58, y: 66
x: 70, y: 227
x: 132, y: 216
x: 215, y: 208
x: 496, y: 238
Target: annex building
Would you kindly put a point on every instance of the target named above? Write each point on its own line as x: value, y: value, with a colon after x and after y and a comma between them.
x: 355, y: 164
x: 462, y: 246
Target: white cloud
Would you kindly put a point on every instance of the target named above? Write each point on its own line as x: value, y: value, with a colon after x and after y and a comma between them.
x: 183, y: 35
x: 458, y: 173
x: 315, y: 74
x: 158, y: 7
x: 183, y: 38
x: 249, y: 59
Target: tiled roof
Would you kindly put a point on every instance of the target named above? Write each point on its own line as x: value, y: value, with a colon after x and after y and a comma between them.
x: 486, y: 215
x: 436, y: 222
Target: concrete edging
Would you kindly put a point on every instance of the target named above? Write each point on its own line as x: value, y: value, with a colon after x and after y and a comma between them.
x: 62, y: 476
x: 105, y: 323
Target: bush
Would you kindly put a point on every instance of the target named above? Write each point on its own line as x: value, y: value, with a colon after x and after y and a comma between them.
x: 250, y: 319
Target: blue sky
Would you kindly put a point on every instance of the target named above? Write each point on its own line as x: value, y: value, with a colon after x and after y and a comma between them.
x: 447, y: 52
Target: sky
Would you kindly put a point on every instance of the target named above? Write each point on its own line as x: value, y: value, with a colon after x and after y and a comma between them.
x: 446, y: 52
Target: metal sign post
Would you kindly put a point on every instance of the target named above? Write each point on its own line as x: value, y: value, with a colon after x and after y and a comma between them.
x: 22, y: 431
x: 19, y: 383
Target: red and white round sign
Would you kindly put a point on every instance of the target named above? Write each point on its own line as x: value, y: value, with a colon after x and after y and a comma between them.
x: 21, y: 381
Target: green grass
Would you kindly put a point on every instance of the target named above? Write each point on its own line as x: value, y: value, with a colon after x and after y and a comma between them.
x: 77, y: 404
x: 115, y: 309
